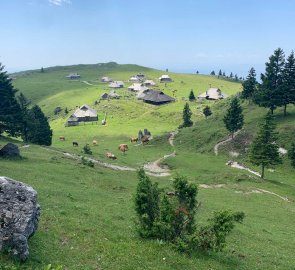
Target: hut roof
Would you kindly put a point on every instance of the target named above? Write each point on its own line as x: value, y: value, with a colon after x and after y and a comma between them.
x: 156, y: 96
x: 164, y: 77
x: 149, y: 82
x: 213, y: 93
x: 84, y: 111
x: 137, y: 87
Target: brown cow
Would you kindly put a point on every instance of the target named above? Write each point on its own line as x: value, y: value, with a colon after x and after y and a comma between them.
x: 94, y: 142
x: 133, y: 139
x: 145, y: 139
x: 62, y: 138
x: 110, y: 155
x: 123, y: 148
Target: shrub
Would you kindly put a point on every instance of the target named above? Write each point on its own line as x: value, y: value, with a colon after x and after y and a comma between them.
x: 87, y: 149
x: 87, y: 162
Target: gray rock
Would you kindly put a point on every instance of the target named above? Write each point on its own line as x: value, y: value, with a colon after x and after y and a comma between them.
x: 19, y: 216
x: 10, y: 150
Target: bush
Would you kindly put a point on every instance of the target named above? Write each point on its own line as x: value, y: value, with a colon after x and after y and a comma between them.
x: 87, y: 149
x: 87, y: 162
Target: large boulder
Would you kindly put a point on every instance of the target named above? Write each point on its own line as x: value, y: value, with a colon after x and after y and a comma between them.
x: 10, y: 150
x: 19, y: 216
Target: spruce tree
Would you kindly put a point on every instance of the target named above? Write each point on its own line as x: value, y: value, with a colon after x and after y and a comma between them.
x: 24, y: 104
x: 234, y: 119
x: 220, y: 73
x: 39, y: 131
x: 291, y: 154
x: 10, y: 112
x: 269, y: 93
x: 212, y: 73
x: 288, y: 93
x: 207, y: 111
x: 249, y: 85
x: 191, y: 96
x: 186, y: 116
x: 264, y: 150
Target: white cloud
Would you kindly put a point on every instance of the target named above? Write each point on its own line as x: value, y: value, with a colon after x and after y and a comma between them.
x: 59, y: 2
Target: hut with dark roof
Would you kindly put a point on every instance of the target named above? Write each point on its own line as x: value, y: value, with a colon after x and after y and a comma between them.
x: 156, y: 97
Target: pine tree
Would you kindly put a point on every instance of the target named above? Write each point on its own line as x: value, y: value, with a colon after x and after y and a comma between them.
x: 269, y: 93
x: 234, y: 119
x: 231, y: 75
x: 291, y: 154
x: 220, y: 73
x: 191, y: 96
x: 146, y: 203
x: 186, y: 116
x: 39, y: 131
x: 223, y: 74
x: 264, y: 150
x: 212, y: 73
x: 42, y: 70
x: 207, y: 111
x: 249, y: 85
x: 24, y: 104
x: 10, y: 112
x: 288, y: 94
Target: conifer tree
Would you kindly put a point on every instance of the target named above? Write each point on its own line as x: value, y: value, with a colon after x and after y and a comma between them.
x: 39, y: 131
x: 10, y: 112
x: 24, y: 104
x: 288, y: 93
x: 207, y: 111
x: 220, y: 73
x: 264, y: 150
x: 191, y: 96
x: 291, y: 154
x: 212, y: 73
x: 249, y: 85
x: 231, y: 75
x: 234, y: 119
x: 269, y: 93
x: 186, y: 116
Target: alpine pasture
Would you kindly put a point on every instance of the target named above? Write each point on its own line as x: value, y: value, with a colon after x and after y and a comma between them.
x: 88, y: 218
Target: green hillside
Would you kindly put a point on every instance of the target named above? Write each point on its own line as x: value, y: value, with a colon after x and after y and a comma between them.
x: 88, y: 217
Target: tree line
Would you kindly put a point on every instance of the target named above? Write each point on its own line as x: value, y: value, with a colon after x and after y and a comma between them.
x: 18, y: 118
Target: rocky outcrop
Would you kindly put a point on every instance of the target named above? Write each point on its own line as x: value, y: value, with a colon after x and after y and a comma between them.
x: 10, y: 150
x: 19, y: 216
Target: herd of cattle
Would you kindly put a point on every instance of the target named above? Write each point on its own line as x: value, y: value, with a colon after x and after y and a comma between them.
x: 122, y: 147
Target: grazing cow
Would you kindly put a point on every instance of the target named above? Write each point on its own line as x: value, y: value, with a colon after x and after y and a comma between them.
x: 145, y: 139
x: 110, y: 155
x: 133, y: 139
x: 94, y: 142
x: 62, y: 138
x: 123, y: 148
x: 75, y: 144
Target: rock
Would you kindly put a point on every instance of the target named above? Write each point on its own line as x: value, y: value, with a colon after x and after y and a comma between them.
x: 19, y: 216
x: 10, y: 150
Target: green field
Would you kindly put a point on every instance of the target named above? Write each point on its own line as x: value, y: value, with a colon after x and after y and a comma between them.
x: 88, y: 217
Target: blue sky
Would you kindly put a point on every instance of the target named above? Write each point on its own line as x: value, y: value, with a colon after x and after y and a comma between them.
x: 183, y: 36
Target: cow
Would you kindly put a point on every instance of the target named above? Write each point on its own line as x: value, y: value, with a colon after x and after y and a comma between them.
x: 145, y: 139
x: 133, y: 139
x: 62, y: 138
x: 123, y: 148
x: 75, y: 144
x: 110, y: 155
x: 94, y: 142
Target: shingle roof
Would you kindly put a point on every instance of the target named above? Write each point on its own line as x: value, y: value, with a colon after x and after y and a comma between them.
x: 84, y: 111
x: 213, y: 93
x: 157, y: 97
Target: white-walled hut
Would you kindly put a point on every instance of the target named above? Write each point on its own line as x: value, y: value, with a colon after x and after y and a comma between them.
x: 116, y: 84
x: 73, y: 76
x: 82, y: 114
x: 149, y: 83
x: 137, y: 87
x: 165, y: 78
x: 106, y: 80
x: 213, y: 94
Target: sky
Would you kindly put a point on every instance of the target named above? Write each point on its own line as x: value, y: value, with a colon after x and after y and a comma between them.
x: 183, y: 36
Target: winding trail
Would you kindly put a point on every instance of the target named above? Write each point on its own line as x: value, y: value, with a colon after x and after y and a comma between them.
x: 88, y: 83
x: 224, y: 142
x: 237, y: 165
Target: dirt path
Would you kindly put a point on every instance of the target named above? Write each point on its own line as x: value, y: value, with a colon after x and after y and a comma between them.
x: 224, y: 142
x: 172, y: 137
x: 88, y: 83
x: 154, y: 168
x: 237, y: 165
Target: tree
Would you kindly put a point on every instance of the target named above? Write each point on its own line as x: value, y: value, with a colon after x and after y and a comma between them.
x: 10, y: 112
x: 207, y: 111
x: 269, y: 92
x: 42, y: 70
x: 291, y: 154
x: 146, y: 203
x: 191, y: 96
x: 212, y: 73
x: 264, y: 150
x: 66, y: 110
x: 223, y: 74
x: 220, y: 73
x: 249, y: 85
x: 288, y: 94
x: 39, y: 131
x: 236, y: 77
x: 186, y: 116
x: 234, y: 119
x: 231, y: 75
x: 24, y: 106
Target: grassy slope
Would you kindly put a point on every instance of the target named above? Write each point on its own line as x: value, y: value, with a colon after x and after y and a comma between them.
x: 92, y: 209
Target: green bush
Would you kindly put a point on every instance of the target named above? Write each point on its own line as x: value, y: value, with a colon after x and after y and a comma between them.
x: 87, y: 162
x: 87, y: 149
